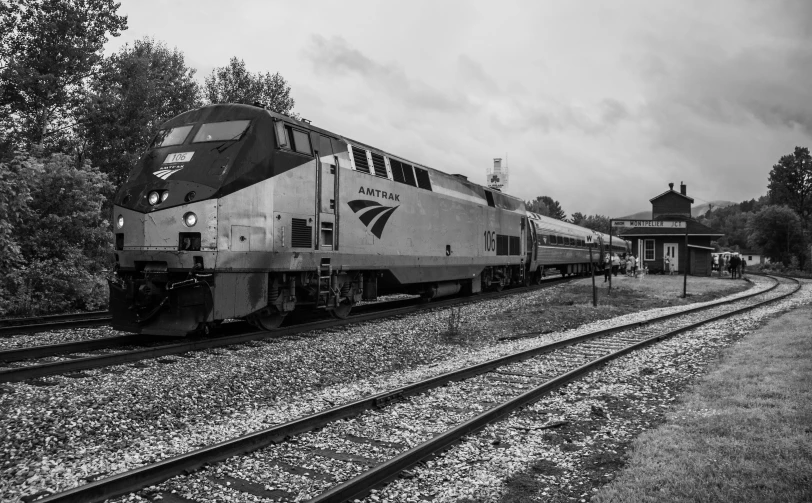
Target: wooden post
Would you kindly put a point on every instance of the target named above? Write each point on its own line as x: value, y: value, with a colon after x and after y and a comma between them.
x: 610, y: 254
x: 687, y: 260
x: 594, y: 288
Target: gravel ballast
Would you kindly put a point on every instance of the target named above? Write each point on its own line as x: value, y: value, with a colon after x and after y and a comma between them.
x: 118, y: 418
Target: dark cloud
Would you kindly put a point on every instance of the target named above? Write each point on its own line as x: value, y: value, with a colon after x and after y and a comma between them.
x: 334, y: 56
x: 547, y: 116
x: 473, y: 74
x: 762, y: 73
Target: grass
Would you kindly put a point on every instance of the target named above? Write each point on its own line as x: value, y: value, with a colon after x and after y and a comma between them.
x: 743, y: 434
x: 571, y: 306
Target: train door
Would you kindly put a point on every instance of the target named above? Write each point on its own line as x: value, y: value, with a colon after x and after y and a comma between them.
x: 326, y: 196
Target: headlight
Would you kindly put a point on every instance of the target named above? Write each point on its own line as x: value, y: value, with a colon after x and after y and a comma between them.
x: 164, y: 195
x: 120, y: 221
x: 190, y: 219
x: 153, y: 198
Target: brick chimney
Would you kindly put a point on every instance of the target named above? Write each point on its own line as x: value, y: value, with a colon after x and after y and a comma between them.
x: 683, y: 189
x: 671, y: 186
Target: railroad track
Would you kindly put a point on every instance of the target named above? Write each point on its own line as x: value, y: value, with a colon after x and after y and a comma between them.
x: 379, y: 445
x: 14, y: 326
x: 232, y: 333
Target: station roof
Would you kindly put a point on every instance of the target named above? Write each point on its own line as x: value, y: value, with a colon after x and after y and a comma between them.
x: 671, y: 191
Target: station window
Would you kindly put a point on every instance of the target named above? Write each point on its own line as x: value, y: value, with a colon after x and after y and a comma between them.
x: 489, y: 197
x: 648, y: 246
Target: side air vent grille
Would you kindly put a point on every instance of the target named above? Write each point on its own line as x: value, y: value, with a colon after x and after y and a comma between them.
x: 360, y: 158
x: 397, y: 170
x: 423, y: 180
x: 408, y: 175
x: 380, y: 167
x: 515, y: 245
x: 502, y: 244
x: 301, y: 235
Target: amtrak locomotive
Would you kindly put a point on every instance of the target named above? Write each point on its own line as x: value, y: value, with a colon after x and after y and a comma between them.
x: 238, y: 212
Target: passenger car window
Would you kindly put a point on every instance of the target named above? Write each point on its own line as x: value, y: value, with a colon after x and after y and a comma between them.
x: 169, y: 137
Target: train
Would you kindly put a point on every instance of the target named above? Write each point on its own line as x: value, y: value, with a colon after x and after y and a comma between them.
x: 237, y: 212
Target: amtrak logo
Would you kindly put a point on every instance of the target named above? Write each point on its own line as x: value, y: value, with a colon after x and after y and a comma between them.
x: 367, y: 211
x: 165, y: 173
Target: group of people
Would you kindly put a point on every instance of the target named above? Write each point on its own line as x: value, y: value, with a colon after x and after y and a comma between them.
x: 627, y: 265
x: 733, y: 265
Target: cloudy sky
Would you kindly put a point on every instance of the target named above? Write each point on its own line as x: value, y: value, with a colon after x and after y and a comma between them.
x: 596, y: 104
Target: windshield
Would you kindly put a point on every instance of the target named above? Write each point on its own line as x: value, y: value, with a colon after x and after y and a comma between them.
x: 220, y: 131
x: 168, y: 137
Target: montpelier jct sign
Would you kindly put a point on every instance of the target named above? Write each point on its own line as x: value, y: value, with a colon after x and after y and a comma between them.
x: 665, y: 224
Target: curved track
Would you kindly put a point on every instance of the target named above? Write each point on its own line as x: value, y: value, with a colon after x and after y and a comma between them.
x: 481, y: 394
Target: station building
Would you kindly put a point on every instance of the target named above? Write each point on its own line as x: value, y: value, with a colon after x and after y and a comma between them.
x: 654, y: 244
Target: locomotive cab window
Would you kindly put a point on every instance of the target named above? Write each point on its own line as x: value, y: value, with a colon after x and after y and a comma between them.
x: 290, y: 138
x: 221, y: 131
x: 169, y: 137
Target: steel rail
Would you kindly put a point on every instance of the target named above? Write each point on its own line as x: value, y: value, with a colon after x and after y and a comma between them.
x: 79, y: 320
x: 360, y: 485
x: 138, y: 478
x: 17, y: 354
x: 50, y: 317
x: 90, y: 362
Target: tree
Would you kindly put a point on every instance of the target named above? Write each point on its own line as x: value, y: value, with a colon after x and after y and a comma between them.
x: 790, y: 183
x: 776, y: 231
x: 577, y: 217
x: 47, y: 49
x: 599, y: 223
x: 545, y: 205
x: 16, y: 176
x: 139, y: 88
x: 234, y: 84
x: 60, y: 239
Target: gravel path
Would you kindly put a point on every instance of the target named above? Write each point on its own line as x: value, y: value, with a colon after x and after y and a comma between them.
x: 62, y: 432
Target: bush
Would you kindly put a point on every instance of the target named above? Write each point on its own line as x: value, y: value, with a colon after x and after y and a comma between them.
x: 54, y: 240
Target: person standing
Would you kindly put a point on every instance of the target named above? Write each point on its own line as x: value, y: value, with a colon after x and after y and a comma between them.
x: 743, y: 266
x: 607, y: 267
x: 667, y: 268
x: 615, y: 264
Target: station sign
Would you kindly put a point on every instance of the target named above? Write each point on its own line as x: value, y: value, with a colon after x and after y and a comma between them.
x: 658, y: 224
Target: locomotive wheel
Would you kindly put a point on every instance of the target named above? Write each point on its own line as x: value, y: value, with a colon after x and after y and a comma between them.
x: 269, y: 322
x: 499, y: 286
x: 537, y: 277
x: 341, y: 312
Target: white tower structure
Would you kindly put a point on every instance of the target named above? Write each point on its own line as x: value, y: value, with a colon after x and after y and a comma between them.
x: 497, y: 176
